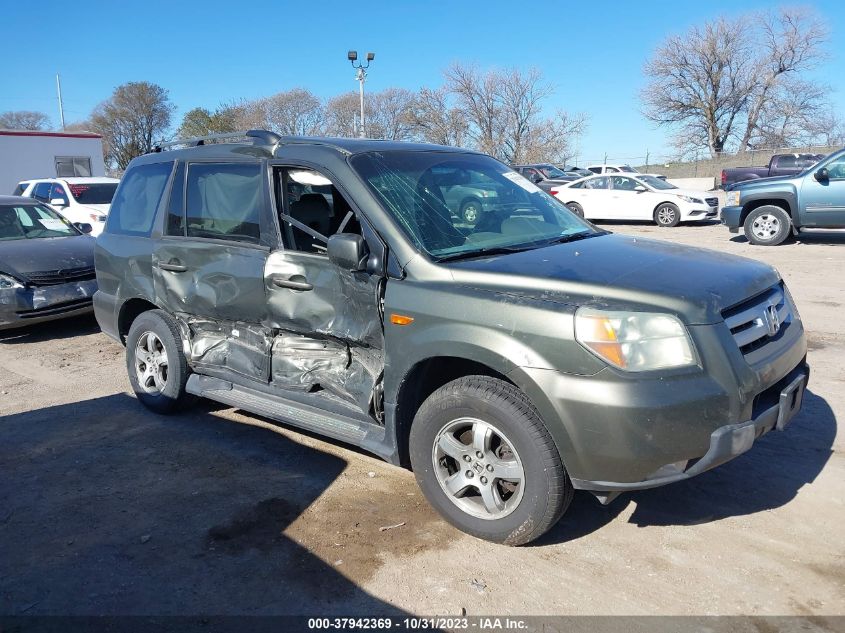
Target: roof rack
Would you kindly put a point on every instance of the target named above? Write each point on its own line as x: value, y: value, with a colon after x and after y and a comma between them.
x: 260, y: 137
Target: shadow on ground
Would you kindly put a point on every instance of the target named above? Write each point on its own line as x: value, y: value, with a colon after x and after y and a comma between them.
x: 767, y: 477
x: 106, y: 509
x: 50, y: 330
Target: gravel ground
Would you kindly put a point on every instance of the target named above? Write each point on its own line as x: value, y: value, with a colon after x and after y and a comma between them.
x: 106, y: 508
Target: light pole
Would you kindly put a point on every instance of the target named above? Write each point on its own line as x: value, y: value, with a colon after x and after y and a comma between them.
x: 361, y: 77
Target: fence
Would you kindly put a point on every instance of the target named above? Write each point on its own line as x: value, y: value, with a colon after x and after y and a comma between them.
x: 706, y: 167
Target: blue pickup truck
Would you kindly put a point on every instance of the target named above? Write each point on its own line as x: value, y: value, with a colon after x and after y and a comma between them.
x: 770, y: 210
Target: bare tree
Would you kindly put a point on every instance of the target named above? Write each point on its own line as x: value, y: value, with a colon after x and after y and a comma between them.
x: 716, y: 85
x: 550, y: 140
x: 698, y: 82
x: 790, y: 41
x: 478, y: 96
x: 24, y: 120
x: 791, y: 115
x: 296, y: 112
x: 388, y: 114
x: 342, y: 114
x: 131, y: 120
x: 435, y: 120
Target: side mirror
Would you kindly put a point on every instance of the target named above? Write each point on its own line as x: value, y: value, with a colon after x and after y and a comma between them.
x: 58, y: 202
x: 348, y: 251
x: 640, y: 189
x: 84, y: 227
x: 822, y: 175
x: 535, y: 178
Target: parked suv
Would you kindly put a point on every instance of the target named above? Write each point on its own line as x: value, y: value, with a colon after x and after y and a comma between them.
x: 770, y: 210
x: 81, y: 200
x: 507, y: 362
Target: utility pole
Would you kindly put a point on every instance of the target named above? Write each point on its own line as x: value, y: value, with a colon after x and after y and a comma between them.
x: 361, y: 77
x: 61, y: 107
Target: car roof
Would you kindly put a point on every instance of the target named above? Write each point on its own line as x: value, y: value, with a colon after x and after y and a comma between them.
x: 348, y: 146
x: 5, y: 200
x: 75, y: 180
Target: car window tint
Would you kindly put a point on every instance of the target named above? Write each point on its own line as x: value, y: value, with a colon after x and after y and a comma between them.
x: 597, y: 183
x: 42, y: 191
x: 786, y: 162
x: 624, y: 183
x: 836, y: 169
x: 58, y: 193
x: 224, y: 201
x: 176, y: 204
x: 136, y: 200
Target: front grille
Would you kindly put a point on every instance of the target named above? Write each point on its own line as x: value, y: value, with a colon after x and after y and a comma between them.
x: 760, y: 320
x: 63, y: 276
x: 712, y: 202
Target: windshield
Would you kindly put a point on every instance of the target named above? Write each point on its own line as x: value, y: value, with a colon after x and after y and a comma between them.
x: 657, y: 183
x: 32, y: 221
x: 551, y: 172
x: 93, y: 193
x: 433, y: 199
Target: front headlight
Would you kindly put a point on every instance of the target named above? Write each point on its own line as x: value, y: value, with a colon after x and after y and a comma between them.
x: 732, y: 199
x: 635, y: 341
x: 8, y: 282
x: 691, y: 200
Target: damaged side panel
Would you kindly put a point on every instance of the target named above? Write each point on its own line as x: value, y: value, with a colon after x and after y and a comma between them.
x: 243, y: 348
x: 330, y: 338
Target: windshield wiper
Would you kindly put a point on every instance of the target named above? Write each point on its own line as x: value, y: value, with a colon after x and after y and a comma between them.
x: 481, y: 252
x: 574, y: 237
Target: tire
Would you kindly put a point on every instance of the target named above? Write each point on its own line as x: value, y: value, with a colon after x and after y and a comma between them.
x: 517, y: 445
x: 160, y: 386
x: 471, y: 211
x: 667, y: 214
x: 576, y: 208
x: 767, y: 226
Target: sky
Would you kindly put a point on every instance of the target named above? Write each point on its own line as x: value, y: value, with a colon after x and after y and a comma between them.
x: 210, y: 52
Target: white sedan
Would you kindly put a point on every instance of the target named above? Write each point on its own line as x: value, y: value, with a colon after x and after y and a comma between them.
x: 640, y: 197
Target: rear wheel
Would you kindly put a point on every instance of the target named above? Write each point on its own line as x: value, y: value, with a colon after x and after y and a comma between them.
x: 486, y: 462
x: 767, y: 226
x: 576, y: 208
x: 667, y: 214
x: 156, y: 363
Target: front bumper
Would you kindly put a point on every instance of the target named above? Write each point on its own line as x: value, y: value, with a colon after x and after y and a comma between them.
x: 621, y: 431
x: 28, y: 305
x: 731, y: 218
x: 726, y: 442
x: 700, y: 212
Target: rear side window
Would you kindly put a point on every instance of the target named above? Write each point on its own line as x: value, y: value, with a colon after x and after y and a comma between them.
x: 19, y: 189
x: 136, y: 200
x: 786, y: 162
x: 224, y: 201
x: 58, y: 193
x: 42, y: 191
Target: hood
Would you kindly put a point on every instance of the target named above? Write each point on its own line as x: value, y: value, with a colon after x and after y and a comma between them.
x: 762, y: 182
x: 619, y: 271
x: 692, y: 193
x: 19, y: 257
x: 99, y: 208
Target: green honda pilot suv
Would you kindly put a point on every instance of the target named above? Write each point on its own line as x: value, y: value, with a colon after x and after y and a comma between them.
x: 332, y: 285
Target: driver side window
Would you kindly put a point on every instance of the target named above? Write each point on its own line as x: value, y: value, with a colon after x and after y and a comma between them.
x: 623, y: 183
x: 311, y: 209
x: 836, y: 169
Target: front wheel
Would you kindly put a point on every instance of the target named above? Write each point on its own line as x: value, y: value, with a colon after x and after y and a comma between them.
x: 484, y: 459
x: 471, y: 211
x: 767, y: 226
x: 156, y: 363
x: 667, y: 214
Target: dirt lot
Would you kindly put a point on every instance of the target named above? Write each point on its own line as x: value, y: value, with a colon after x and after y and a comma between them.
x: 106, y: 508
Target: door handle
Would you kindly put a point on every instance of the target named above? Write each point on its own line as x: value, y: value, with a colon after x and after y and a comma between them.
x: 173, y: 267
x: 294, y: 282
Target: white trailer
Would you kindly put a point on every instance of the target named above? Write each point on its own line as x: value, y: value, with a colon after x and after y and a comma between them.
x: 25, y: 155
